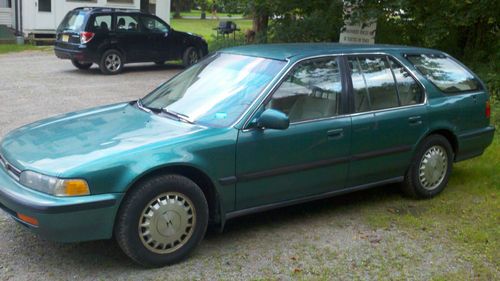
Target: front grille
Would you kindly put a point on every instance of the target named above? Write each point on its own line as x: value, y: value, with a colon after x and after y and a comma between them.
x: 11, y: 170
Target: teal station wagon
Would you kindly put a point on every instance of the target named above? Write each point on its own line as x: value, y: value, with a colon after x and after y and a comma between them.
x: 245, y: 130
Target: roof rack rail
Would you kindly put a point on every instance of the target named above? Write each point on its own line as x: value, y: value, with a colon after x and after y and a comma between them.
x: 107, y: 9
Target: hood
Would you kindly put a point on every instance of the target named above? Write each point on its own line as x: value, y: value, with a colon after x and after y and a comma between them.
x: 58, y: 144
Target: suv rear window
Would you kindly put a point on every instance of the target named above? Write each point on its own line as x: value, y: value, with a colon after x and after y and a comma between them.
x: 74, y: 21
x: 445, y: 73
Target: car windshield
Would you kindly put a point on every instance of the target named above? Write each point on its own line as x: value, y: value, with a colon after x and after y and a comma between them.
x: 216, y: 91
x: 73, y: 21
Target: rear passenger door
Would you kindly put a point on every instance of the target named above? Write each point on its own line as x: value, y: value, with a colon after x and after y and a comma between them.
x: 131, y: 39
x: 388, y: 118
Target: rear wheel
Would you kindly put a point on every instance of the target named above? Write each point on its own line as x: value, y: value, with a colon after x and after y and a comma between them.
x: 111, y: 62
x: 162, y: 220
x: 430, y: 169
x: 191, y: 56
x: 81, y: 65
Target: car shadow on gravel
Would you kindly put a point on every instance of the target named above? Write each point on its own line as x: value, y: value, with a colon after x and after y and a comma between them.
x: 301, y: 213
x: 131, y: 68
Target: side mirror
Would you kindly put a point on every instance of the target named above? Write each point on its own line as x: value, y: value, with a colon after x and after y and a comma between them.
x: 273, y: 119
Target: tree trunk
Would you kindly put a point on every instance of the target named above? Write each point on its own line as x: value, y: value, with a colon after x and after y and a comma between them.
x: 260, y: 24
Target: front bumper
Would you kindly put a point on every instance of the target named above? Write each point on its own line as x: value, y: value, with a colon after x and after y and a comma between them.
x: 62, y: 219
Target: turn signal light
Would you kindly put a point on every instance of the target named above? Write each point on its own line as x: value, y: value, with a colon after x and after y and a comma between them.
x: 28, y: 220
x: 75, y: 188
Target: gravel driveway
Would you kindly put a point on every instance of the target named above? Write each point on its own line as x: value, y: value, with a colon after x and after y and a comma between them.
x: 329, y: 239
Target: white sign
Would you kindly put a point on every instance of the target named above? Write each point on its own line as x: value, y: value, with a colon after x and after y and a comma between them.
x: 358, y: 33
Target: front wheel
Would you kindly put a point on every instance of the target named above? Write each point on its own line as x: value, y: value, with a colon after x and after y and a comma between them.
x: 81, y: 65
x: 162, y: 220
x: 111, y: 62
x: 191, y: 56
x: 430, y: 169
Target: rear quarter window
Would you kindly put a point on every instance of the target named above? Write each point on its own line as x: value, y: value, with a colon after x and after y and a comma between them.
x: 446, y: 74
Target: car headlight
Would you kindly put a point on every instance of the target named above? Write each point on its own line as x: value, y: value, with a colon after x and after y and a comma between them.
x: 54, y: 186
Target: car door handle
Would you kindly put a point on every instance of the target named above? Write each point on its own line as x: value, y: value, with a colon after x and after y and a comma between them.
x: 335, y: 133
x: 415, y: 120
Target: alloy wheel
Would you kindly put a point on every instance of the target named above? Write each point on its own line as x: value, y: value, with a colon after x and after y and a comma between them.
x: 113, y: 62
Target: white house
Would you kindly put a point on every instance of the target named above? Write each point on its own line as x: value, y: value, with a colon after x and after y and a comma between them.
x: 43, y: 16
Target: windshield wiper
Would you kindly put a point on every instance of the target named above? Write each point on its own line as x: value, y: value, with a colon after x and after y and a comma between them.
x: 179, y: 116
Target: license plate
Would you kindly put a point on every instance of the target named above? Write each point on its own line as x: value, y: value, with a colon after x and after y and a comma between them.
x: 65, y: 38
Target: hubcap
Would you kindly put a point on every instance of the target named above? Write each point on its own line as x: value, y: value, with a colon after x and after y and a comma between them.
x: 167, y: 223
x: 193, y: 57
x: 433, y: 167
x: 113, y: 62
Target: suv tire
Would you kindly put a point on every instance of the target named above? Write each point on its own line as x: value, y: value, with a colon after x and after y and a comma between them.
x: 162, y: 220
x: 191, y: 56
x: 430, y: 168
x: 111, y: 62
x: 81, y: 65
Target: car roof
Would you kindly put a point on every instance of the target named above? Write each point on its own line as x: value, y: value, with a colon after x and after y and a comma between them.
x: 108, y: 9
x: 301, y: 50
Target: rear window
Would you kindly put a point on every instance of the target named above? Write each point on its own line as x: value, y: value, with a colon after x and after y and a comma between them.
x: 74, y: 21
x: 445, y: 73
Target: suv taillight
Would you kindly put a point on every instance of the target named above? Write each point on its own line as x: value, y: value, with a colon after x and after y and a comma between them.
x: 86, y: 36
x: 488, y: 109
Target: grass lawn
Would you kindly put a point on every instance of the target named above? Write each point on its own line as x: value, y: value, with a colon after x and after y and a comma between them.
x: 9, y: 48
x: 197, y: 13
x: 465, y: 217
x: 205, y: 27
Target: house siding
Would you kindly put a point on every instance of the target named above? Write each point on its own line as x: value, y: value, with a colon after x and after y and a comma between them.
x: 6, y: 16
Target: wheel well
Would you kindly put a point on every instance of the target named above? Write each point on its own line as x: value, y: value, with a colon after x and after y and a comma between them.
x: 113, y: 47
x: 197, y: 176
x: 452, y: 139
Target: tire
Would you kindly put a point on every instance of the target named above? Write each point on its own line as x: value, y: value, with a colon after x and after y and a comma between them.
x: 81, y: 65
x: 111, y: 62
x: 430, y: 168
x: 191, y: 56
x: 138, y: 228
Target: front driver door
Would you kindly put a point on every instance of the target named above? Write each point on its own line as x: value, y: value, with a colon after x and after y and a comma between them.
x: 160, y: 36
x: 308, y: 158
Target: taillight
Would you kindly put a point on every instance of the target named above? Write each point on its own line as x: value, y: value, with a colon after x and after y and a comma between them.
x: 488, y: 109
x: 86, y: 36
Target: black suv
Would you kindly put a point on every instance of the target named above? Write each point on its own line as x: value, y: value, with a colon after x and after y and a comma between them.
x: 112, y: 37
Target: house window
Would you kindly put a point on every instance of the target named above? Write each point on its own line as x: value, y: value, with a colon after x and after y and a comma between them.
x: 5, y: 3
x: 44, y: 5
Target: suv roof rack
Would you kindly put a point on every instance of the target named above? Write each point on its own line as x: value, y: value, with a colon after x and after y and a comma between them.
x: 109, y: 9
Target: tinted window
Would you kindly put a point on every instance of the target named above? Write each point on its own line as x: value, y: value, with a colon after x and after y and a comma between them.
x: 311, y: 91
x: 445, y: 73
x: 102, y: 23
x: 73, y: 21
x: 127, y: 24
x: 380, y: 89
x: 153, y: 25
x: 409, y: 90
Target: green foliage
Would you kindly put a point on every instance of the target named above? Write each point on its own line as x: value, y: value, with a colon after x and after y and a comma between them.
x: 315, y: 21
